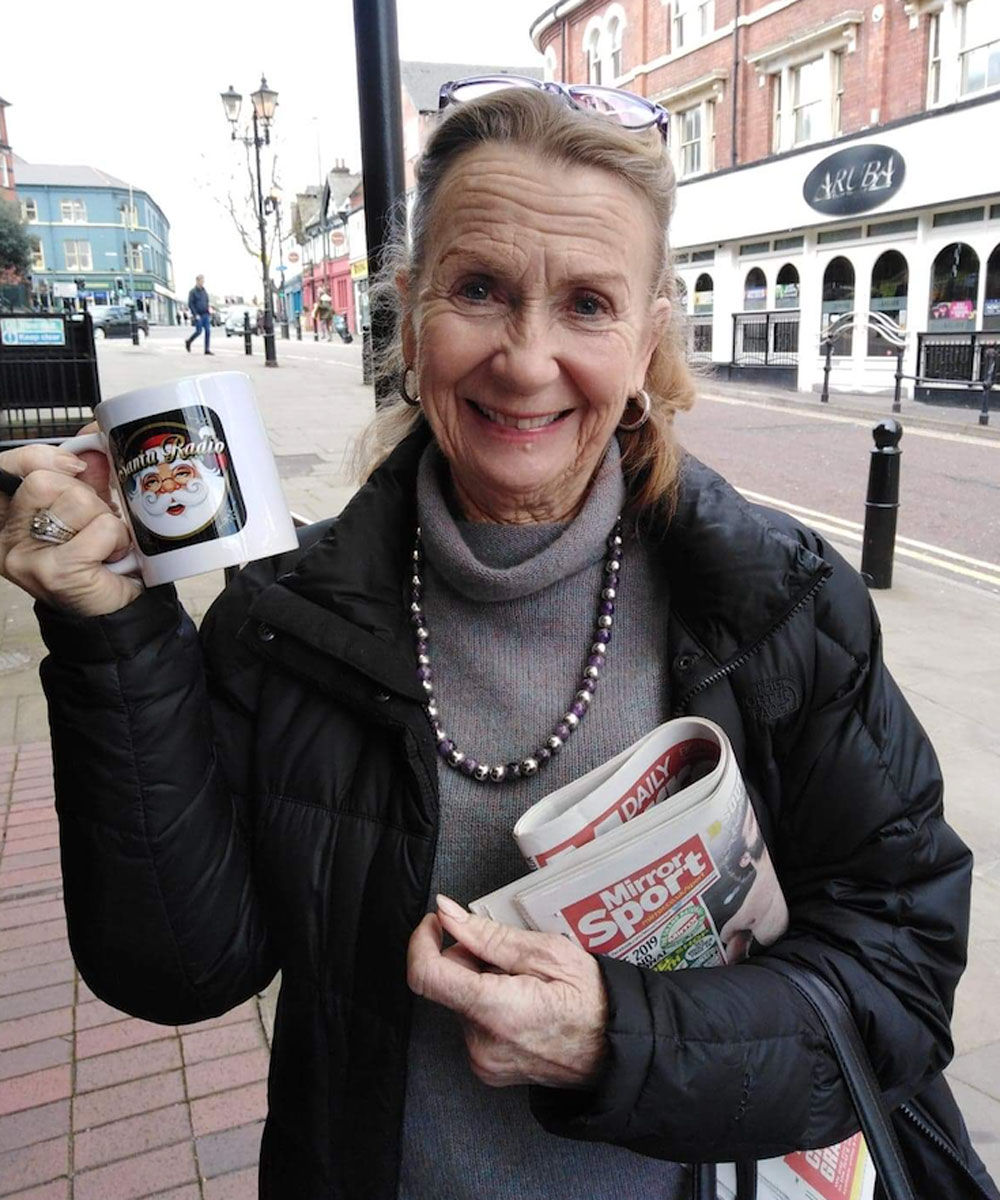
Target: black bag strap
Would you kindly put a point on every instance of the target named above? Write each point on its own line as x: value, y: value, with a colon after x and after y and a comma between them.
x: 858, y: 1074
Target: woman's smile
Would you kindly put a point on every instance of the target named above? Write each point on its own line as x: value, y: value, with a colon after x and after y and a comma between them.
x: 511, y: 422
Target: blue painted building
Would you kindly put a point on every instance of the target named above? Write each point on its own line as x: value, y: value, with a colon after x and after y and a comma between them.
x: 86, y: 224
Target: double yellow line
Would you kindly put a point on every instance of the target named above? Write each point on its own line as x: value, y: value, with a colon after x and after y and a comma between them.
x: 909, y: 548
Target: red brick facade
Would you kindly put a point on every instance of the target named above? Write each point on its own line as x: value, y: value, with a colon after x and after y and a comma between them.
x: 7, y: 191
x: 885, y: 62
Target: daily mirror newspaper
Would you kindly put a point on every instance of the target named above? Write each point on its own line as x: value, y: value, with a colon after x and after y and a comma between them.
x: 656, y: 857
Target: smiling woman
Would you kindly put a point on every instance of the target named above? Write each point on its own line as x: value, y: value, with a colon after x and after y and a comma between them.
x: 532, y: 578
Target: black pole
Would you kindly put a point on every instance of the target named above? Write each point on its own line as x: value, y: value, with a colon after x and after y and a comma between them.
x: 270, y: 353
x: 897, y: 399
x: 247, y: 338
x: 298, y: 327
x: 825, y: 397
x: 881, y: 505
x: 989, y: 379
x: 377, y: 51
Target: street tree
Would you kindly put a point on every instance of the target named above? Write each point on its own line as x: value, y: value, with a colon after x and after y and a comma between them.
x: 15, y: 249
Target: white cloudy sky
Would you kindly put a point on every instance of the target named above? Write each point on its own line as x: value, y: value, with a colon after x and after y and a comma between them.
x: 135, y: 91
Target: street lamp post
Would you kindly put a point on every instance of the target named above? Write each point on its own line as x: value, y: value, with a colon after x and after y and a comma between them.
x: 264, y: 103
x: 273, y: 204
x: 133, y: 324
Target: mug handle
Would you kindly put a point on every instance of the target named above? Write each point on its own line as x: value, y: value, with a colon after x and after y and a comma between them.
x: 129, y: 565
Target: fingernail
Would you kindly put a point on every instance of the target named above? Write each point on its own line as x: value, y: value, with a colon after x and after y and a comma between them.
x: 450, y: 909
x: 69, y: 463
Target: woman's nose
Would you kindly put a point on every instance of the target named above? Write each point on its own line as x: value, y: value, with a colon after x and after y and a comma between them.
x: 526, y: 360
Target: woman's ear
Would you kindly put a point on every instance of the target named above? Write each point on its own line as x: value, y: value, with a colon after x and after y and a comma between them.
x: 659, y: 319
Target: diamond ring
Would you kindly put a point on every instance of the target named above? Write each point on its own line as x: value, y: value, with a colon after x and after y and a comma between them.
x: 46, y: 527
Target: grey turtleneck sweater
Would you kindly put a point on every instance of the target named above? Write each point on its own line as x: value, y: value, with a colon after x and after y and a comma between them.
x: 511, y: 612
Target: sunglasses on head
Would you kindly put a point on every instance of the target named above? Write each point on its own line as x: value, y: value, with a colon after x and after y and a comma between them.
x: 634, y: 112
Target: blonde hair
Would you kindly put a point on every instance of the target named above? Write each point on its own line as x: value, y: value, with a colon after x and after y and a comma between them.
x: 550, y: 128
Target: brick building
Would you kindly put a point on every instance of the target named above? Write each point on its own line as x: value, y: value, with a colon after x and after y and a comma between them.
x: 7, y: 191
x: 832, y: 156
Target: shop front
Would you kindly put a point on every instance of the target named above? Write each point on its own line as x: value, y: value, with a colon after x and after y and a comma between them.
x: 769, y: 255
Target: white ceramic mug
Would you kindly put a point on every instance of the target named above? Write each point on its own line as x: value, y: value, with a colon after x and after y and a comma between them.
x: 195, y: 476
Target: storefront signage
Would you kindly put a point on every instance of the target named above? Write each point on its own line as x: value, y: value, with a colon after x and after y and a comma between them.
x: 854, y: 180
x: 359, y: 269
x: 32, y: 331
x: 991, y: 308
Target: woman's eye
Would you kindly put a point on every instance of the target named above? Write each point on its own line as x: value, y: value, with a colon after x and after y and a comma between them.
x: 475, y: 289
x: 588, y: 305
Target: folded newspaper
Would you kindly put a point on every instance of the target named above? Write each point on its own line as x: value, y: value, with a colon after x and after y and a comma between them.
x: 656, y: 857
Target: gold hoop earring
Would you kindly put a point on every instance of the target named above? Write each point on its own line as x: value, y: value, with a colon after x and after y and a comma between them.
x: 413, y: 401
x: 642, y: 397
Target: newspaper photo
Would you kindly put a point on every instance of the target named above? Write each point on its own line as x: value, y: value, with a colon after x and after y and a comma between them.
x: 656, y: 858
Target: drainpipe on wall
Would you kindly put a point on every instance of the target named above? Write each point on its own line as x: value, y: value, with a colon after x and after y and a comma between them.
x: 736, y: 84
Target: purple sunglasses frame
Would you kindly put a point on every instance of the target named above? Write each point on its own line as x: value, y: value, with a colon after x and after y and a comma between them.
x: 658, y: 115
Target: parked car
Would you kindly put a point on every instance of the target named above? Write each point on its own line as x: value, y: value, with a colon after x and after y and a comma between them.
x: 115, y: 320
x: 234, y: 320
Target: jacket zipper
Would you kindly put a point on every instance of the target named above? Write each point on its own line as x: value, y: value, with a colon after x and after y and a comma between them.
x: 746, y: 655
x: 942, y: 1144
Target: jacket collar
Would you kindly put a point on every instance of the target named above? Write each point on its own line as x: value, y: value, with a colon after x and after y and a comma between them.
x: 732, y: 573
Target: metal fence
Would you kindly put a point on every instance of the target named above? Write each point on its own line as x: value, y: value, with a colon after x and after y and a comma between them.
x: 700, y: 347
x: 955, y: 357
x: 766, y: 339
x: 49, y: 384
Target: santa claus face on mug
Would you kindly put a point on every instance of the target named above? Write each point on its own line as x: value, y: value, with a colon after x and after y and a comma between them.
x: 175, y: 497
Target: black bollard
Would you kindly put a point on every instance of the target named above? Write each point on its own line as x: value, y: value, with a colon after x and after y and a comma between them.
x: 881, y: 505
x: 897, y: 396
x: 825, y: 394
x: 298, y: 327
x: 247, y: 336
x: 367, y: 365
x: 989, y: 382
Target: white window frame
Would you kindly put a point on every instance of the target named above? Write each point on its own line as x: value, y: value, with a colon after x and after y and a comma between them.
x: 135, y: 256
x: 37, y: 256
x: 614, y: 30
x: 965, y: 51
x: 934, y: 59
x: 691, y: 22
x: 29, y: 215
x: 701, y: 94
x: 81, y: 258
x: 592, y: 49
x: 780, y: 63
x: 4, y: 171
x: 550, y: 64
x: 77, y: 212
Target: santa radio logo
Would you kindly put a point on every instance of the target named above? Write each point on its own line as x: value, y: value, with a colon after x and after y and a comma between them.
x: 175, y: 474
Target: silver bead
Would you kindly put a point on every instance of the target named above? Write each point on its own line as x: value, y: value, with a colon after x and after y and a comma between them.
x: 591, y: 672
x: 529, y: 765
x: 439, y: 734
x: 584, y: 696
x: 416, y: 555
x: 432, y: 709
x: 498, y: 774
x: 554, y: 742
x: 612, y: 566
x: 422, y: 633
x: 604, y: 621
x: 596, y: 648
x: 428, y: 686
x: 416, y: 608
x: 456, y: 757
x: 481, y: 772
x: 424, y: 661
x: 571, y: 719
x: 608, y: 594
x: 416, y: 583
x: 615, y: 540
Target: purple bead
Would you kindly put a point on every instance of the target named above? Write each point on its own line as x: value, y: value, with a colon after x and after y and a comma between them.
x: 416, y: 618
x: 603, y: 635
x: 421, y: 647
x: 445, y: 747
x: 611, y: 581
x: 467, y: 766
x: 562, y: 730
x: 588, y: 684
x: 595, y: 660
x: 542, y: 754
x: 578, y: 709
x: 513, y: 770
x: 423, y: 672
x: 607, y: 608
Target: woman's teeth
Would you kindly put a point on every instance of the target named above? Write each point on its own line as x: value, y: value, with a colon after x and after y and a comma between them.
x: 515, y: 422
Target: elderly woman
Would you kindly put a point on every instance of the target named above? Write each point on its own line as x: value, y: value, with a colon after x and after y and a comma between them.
x: 360, y: 724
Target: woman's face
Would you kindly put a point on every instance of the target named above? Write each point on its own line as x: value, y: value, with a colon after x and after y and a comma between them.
x: 532, y: 325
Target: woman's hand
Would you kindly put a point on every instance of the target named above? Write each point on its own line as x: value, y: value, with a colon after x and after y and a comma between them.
x: 532, y: 1005
x: 70, y: 576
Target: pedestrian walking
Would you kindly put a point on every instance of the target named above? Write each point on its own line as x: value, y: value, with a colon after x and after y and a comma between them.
x: 322, y: 315
x: 201, y: 311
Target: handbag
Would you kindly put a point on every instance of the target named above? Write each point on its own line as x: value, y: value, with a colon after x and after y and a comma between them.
x: 861, y: 1083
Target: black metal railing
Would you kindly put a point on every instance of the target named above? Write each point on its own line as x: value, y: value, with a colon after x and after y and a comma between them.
x: 49, y: 384
x: 955, y: 357
x: 766, y: 339
x: 701, y: 339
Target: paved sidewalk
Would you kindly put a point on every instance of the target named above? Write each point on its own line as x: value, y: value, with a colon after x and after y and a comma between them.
x: 95, y: 1105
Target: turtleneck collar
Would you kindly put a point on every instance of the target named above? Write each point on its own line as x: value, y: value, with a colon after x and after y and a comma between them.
x: 486, y: 562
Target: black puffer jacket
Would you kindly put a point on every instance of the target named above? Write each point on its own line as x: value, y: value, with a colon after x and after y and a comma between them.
x: 270, y: 801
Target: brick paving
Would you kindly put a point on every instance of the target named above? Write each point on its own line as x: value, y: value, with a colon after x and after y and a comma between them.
x: 95, y: 1104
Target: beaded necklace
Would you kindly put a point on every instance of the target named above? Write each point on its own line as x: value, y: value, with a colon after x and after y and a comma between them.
x: 524, y: 768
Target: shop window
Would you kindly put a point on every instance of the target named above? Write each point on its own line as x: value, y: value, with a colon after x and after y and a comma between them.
x: 991, y: 305
x: 754, y: 290
x: 789, y: 243
x: 838, y: 297
x: 786, y: 288
x: 954, y: 288
x: 890, y: 283
x: 704, y: 296
x: 980, y: 57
